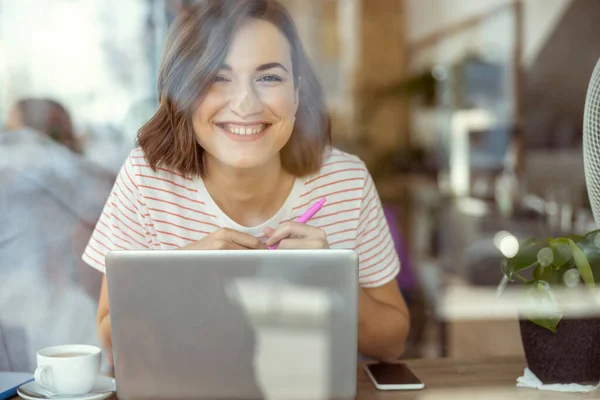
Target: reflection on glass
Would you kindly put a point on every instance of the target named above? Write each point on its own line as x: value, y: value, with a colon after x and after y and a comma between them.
x: 291, y: 324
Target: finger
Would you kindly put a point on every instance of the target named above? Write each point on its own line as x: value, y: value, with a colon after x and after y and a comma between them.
x: 268, y: 231
x: 303, y: 244
x: 233, y: 246
x: 243, y: 239
x: 295, y: 229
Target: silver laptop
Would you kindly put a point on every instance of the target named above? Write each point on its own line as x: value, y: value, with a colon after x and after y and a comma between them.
x: 234, y: 324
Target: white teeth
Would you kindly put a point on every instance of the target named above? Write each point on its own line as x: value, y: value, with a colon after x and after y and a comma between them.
x: 252, y: 130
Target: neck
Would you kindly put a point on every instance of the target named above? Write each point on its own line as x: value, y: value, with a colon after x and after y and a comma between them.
x: 248, y: 196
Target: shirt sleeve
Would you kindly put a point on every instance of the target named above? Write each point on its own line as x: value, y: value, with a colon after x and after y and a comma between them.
x: 378, y: 259
x: 121, y: 225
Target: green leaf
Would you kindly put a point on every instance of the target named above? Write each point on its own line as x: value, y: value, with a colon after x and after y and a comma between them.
x: 526, y: 258
x: 548, y: 323
x: 592, y: 253
x: 513, y: 267
x: 545, y: 273
x: 521, y: 278
x: 591, y: 235
x: 561, y: 251
x: 575, y: 238
x: 540, y: 295
x: 582, y: 264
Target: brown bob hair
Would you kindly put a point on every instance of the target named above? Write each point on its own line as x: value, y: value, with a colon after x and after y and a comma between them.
x: 196, y: 46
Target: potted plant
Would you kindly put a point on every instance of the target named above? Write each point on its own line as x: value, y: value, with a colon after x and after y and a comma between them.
x: 558, y: 348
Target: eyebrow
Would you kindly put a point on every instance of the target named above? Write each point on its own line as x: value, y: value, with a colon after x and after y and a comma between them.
x: 262, y: 67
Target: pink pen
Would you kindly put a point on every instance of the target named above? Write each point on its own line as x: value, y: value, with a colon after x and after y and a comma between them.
x: 306, y: 216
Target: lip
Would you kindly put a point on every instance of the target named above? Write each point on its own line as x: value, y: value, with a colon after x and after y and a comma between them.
x: 244, y: 138
x: 242, y: 123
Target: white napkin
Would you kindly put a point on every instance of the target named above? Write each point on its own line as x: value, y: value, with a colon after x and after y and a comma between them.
x: 529, y: 380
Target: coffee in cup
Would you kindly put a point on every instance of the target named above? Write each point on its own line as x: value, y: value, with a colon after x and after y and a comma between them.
x: 68, y: 369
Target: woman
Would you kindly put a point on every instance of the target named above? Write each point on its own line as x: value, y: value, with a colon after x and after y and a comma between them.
x: 237, y: 150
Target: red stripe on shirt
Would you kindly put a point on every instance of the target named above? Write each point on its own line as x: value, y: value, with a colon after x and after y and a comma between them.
x: 121, y: 212
x: 373, y: 206
x: 340, y: 232
x: 362, y: 253
x: 112, y: 215
x: 342, y: 162
x: 180, y: 226
x: 127, y: 241
x: 140, y: 201
x: 109, y: 239
x: 380, y: 218
x: 128, y: 236
x: 122, y: 193
x: 327, y: 204
x: 333, y: 183
x: 318, y: 216
x: 182, y: 217
x: 130, y: 180
x: 351, y: 240
x: 175, y: 235
x: 168, y: 181
x: 180, y: 206
x: 389, y: 251
x: 333, y: 173
x: 386, y: 265
x: 172, y: 193
x: 394, y: 271
x: 337, y: 222
x: 100, y: 243
x: 119, y: 192
x: 122, y: 240
x: 93, y: 248
x: 123, y: 204
x: 165, y: 170
x: 169, y: 244
x: 94, y: 260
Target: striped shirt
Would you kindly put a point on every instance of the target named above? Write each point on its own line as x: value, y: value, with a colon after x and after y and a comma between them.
x: 165, y: 210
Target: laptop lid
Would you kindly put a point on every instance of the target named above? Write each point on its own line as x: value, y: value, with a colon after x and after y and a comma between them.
x: 234, y: 324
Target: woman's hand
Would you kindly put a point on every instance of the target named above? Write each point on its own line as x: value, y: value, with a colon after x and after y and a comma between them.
x: 226, y: 239
x: 295, y: 235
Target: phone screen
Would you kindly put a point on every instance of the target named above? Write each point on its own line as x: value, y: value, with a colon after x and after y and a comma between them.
x: 393, y: 374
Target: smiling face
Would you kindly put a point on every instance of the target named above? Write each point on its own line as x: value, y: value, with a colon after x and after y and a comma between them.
x: 247, y: 116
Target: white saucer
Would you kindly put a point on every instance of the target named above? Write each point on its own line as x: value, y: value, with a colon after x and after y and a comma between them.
x: 104, y: 387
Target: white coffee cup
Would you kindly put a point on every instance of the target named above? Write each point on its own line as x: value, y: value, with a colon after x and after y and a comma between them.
x: 68, y: 369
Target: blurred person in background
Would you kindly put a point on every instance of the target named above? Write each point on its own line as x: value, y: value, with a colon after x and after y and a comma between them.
x: 51, y: 198
x: 46, y: 116
x: 238, y: 149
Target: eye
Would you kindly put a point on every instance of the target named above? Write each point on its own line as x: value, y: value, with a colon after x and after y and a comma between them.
x: 220, y: 79
x: 270, y: 78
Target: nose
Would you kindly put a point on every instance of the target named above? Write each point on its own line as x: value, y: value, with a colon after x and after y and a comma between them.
x: 245, y: 102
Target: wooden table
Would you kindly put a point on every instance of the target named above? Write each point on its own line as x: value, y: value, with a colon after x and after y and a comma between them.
x: 448, y: 379
x: 490, y: 379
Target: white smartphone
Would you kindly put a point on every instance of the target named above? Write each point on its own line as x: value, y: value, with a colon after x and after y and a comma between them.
x: 394, y: 376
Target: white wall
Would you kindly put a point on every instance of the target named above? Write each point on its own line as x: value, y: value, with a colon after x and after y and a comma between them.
x: 88, y: 54
x: 495, y: 38
x: 428, y: 16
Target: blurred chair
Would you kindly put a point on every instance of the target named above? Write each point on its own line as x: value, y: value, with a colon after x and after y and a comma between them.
x: 409, y: 286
